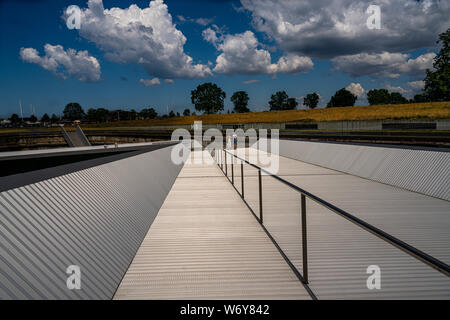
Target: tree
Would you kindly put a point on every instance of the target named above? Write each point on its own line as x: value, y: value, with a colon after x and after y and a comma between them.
x: 240, y: 101
x: 149, y: 113
x: 14, y: 119
x: 278, y: 101
x: 54, y: 118
x: 91, y: 115
x: 33, y: 118
x: 281, y: 101
x: 132, y: 114
x: 208, y: 97
x: 186, y: 112
x: 171, y: 114
x: 421, y: 97
x: 123, y: 115
x: 437, y: 82
x: 73, y: 111
x: 382, y: 96
x: 102, y: 115
x: 397, y: 98
x: 378, y: 96
x: 98, y: 115
x: 45, y: 118
x: 311, y: 100
x: 342, y: 98
x: 291, y: 104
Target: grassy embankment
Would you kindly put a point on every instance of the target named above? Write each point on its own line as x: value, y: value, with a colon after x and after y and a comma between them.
x: 435, y: 110
x: 416, y: 111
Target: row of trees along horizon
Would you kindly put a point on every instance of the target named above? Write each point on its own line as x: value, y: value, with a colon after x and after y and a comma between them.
x: 209, y: 98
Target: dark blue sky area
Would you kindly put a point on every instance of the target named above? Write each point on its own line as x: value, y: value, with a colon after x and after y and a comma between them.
x: 33, y: 24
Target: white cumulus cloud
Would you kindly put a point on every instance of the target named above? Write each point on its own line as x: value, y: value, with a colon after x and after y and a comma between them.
x: 332, y: 28
x: 398, y: 89
x: 64, y: 63
x: 251, y: 81
x: 201, y: 21
x: 417, y: 85
x: 211, y: 36
x: 241, y: 54
x: 356, y: 89
x: 147, y: 37
x: 150, y: 82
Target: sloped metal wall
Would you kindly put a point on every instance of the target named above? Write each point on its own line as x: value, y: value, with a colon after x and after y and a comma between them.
x: 423, y: 171
x: 95, y: 218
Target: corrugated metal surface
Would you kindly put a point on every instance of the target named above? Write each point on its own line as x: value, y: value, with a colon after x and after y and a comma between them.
x: 83, y: 137
x: 205, y: 244
x: 94, y: 218
x: 42, y: 153
x: 339, y: 251
x: 67, y: 137
x: 422, y: 171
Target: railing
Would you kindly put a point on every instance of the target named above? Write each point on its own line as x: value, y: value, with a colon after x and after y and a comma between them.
x: 221, y: 159
x: 82, y: 136
x: 67, y: 138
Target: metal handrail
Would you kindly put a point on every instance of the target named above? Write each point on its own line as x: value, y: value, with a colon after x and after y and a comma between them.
x: 82, y: 136
x: 412, y: 251
x: 67, y: 137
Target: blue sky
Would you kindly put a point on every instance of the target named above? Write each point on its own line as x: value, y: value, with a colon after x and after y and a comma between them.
x: 289, y: 46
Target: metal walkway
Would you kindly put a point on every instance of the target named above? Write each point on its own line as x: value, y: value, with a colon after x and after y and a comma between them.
x: 205, y: 244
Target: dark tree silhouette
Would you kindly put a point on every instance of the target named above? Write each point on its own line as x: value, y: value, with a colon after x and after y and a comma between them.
x: 54, y: 118
x: 278, y: 101
x: 45, y: 118
x: 311, y: 100
x: 14, y: 119
x: 208, y: 98
x: 240, y: 101
x: 378, y: 96
x: 382, y: 96
x: 437, y: 82
x: 73, y: 111
x: 397, y: 98
x: 149, y: 113
x: 281, y: 101
x: 421, y: 97
x: 291, y: 104
x: 342, y: 98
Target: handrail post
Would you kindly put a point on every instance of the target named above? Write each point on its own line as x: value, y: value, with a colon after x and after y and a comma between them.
x: 304, y: 239
x: 242, y: 178
x: 226, y: 166
x: 260, y: 197
x: 232, y: 170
